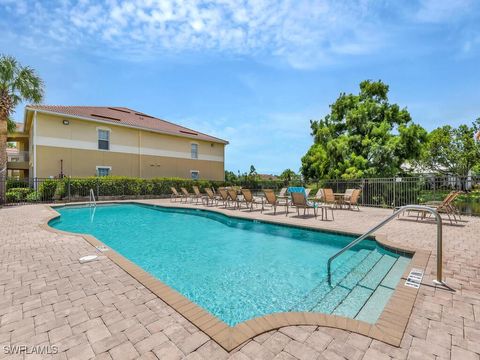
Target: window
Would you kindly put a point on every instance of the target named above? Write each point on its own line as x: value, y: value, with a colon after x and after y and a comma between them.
x: 103, y: 170
x: 194, y: 151
x: 195, y: 174
x: 103, y: 139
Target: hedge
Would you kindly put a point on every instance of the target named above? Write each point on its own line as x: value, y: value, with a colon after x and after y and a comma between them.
x: 18, y: 194
x: 58, y: 189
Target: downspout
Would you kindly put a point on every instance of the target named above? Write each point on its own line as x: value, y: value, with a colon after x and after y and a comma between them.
x: 34, y: 148
x: 139, y: 153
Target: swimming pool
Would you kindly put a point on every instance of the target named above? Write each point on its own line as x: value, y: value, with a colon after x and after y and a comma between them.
x: 240, y: 269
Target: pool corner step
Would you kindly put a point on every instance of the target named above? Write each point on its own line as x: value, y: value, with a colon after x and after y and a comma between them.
x: 354, y: 302
x: 373, y: 308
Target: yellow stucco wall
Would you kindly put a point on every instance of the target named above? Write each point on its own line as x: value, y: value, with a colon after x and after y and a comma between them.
x: 133, y: 152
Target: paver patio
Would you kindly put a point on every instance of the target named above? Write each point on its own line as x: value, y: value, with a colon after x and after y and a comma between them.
x: 98, y: 310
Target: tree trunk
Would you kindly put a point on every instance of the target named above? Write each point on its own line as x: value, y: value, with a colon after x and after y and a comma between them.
x: 5, y: 108
x: 3, y: 158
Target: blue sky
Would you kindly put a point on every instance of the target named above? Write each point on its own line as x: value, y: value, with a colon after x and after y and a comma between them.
x: 251, y: 72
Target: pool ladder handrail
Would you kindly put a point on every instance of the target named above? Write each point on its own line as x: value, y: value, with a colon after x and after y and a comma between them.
x: 438, y: 220
x: 91, y: 200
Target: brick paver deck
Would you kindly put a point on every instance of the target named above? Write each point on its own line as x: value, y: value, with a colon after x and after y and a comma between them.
x: 47, y: 298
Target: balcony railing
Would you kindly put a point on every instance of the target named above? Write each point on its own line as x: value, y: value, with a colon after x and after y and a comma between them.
x: 18, y: 156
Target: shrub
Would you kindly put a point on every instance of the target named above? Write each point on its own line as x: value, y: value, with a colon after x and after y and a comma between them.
x: 17, y: 194
x: 47, y: 189
x: 14, y: 183
x: 34, y: 196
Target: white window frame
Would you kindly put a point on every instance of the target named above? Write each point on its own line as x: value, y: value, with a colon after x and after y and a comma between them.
x: 103, y: 167
x: 191, y: 151
x: 193, y: 172
x: 109, y: 138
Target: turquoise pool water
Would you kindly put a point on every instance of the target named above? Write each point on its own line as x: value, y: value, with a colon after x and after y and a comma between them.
x: 240, y: 269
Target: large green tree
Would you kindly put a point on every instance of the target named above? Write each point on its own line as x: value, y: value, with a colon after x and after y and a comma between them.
x: 364, y: 135
x: 450, y: 150
x: 17, y: 84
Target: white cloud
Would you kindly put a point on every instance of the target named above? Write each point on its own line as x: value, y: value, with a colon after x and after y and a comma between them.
x: 303, y: 33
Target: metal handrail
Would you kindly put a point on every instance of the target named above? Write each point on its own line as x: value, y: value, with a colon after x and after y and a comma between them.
x: 92, y: 201
x: 438, y: 220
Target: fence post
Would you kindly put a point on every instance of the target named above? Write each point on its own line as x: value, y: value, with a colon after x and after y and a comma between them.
x: 69, y: 190
x: 394, y: 190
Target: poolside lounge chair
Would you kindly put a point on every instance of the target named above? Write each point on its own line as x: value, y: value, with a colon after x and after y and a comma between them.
x: 186, y: 194
x: 283, y: 192
x: 446, y: 206
x: 210, y: 197
x: 223, y: 197
x: 319, y: 195
x: 272, y: 200
x: 307, y: 192
x: 249, y: 199
x: 175, y: 195
x: 197, y: 194
x: 352, y: 200
x: 233, y: 196
x: 299, y: 200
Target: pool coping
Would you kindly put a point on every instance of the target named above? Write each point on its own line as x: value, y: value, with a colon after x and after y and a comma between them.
x: 389, y: 327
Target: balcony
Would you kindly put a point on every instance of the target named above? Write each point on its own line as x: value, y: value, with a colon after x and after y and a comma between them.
x: 17, y: 160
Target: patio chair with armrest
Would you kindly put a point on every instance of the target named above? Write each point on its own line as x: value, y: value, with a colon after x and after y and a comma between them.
x: 197, y: 194
x: 272, y: 200
x: 352, y: 200
x: 186, y: 194
x: 299, y: 200
x: 223, y: 196
x: 233, y: 196
x: 249, y: 199
x: 210, y: 197
x: 175, y: 195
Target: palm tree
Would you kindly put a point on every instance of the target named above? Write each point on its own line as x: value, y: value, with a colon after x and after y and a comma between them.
x: 17, y: 84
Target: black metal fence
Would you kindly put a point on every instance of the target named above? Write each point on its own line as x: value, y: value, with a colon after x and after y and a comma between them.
x: 376, y: 192
x: 39, y: 190
x: 398, y: 191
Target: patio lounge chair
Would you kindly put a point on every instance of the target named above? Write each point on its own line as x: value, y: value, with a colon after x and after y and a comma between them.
x: 210, y: 197
x: 249, y: 199
x: 446, y: 206
x: 233, y: 196
x: 319, y: 195
x: 175, y: 195
x: 223, y: 196
x: 186, y: 194
x: 283, y: 192
x: 197, y: 194
x: 299, y: 200
x: 272, y: 200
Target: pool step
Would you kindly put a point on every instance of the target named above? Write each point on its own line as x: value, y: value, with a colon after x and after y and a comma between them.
x: 323, y: 288
x: 352, y: 304
x: 372, y: 309
x: 367, y: 300
x: 360, y: 264
x: 357, y: 287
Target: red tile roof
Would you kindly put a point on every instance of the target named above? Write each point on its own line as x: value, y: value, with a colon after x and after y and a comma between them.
x: 127, y: 117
